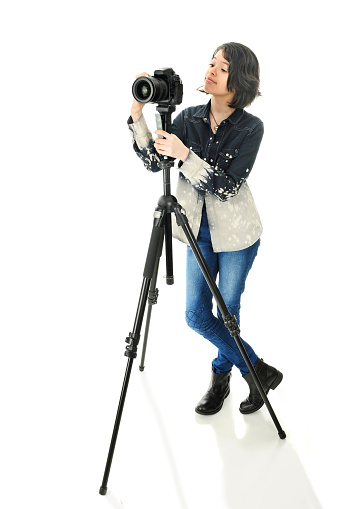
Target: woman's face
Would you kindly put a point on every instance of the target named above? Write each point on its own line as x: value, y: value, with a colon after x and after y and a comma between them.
x: 216, y: 77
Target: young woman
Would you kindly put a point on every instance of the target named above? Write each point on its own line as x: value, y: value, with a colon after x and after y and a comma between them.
x: 216, y: 145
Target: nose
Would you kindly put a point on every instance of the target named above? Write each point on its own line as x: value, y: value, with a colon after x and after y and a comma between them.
x: 212, y: 71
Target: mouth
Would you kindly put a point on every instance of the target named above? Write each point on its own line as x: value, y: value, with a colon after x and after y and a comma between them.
x: 209, y: 80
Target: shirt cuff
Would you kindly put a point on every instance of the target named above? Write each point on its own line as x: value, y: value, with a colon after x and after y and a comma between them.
x: 141, y: 134
x: 194, y: 168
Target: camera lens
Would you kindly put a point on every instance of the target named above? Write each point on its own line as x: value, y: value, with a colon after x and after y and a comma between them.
x: 149, y: 90
x: 144, y: 91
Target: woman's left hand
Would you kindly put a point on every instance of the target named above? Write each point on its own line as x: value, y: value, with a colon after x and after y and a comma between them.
x: 170, y: 146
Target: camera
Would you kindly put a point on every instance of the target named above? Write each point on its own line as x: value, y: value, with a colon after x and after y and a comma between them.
x: 164, y: 88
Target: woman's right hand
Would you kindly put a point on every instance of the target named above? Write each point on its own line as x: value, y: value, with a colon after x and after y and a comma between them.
x: 136, y: 110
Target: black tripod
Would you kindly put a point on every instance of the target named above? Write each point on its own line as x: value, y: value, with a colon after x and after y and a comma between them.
x: 162, y: 228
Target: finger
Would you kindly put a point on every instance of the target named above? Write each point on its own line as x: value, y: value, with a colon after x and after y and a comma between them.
x: 159, y: 145
x: 142, y: 74
x: 161, y: 140
x: 162, y: 133
x: 161, y: 150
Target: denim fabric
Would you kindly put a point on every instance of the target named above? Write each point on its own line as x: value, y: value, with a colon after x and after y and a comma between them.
x: 227, y: 156
x: 233, y: 268
x: 215, y: 173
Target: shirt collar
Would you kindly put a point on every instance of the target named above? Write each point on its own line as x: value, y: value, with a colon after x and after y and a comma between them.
x: 204, y: 111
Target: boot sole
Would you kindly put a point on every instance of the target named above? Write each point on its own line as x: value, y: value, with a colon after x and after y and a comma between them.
x: 274, y: 385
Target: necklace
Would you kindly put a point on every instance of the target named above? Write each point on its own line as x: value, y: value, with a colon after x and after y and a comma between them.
x: 217, y: 125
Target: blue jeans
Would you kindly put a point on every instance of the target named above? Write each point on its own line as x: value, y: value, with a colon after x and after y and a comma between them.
x: 233, y: 268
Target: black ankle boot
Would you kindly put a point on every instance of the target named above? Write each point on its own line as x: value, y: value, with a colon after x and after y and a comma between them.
x: 217, y: 392
x: 269, y: 377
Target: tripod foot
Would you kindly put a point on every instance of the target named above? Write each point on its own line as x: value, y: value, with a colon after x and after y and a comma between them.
x: 141, y: 368
x: 103, y: 490
x: 282, y: 434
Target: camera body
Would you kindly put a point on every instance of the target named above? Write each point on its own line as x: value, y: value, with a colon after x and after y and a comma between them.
x: 164, y: 88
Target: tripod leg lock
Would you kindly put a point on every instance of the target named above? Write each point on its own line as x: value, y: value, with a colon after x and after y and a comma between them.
x: 131, y: 349
x: 153, y: 297
x: 180, y: 215
x: 231, y: 323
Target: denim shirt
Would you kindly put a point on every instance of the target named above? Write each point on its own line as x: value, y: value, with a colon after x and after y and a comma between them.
x: 215, y: 173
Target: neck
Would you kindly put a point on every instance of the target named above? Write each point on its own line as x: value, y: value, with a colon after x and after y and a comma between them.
x: 220, y: 108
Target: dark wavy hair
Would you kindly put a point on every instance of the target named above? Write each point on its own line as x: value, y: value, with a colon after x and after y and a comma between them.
x: 243, y: 73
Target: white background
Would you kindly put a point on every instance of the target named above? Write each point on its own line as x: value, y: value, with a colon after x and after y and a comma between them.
x: 76, y: 216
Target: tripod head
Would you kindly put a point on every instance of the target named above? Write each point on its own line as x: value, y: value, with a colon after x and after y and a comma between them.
x: 165, y: 111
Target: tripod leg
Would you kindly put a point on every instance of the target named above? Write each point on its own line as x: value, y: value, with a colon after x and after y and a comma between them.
x: 134, y: 337
x: 169, y: 250
x: 153, y: 293
x: 152, y: 299
x: 229, y: 320
x: 103, y: 488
